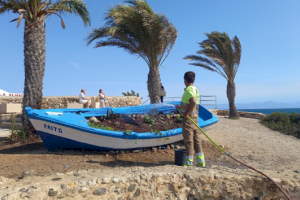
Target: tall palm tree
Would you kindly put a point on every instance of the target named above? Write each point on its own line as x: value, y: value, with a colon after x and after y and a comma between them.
x: 220, y: 54
x: 35, y: 13
x: 137, y: 29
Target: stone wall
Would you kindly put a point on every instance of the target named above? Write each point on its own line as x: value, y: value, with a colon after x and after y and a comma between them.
x: 61, y: 101
x: 149, y: 183
x: 240, y: 113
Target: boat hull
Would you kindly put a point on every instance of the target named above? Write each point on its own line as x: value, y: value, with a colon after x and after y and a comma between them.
x: 72, y: 131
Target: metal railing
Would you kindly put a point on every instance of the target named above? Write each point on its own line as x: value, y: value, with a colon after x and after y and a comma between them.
x: 177, y: 99
x: 172, y: 99
x: 166, y: 98
x: 209, y: 96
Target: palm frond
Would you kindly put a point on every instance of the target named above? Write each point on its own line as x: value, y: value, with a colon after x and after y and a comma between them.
x: 237, y: 54
x: 138, y: 30
x: 203, y: 61
x: 220, y: 53
x: 7, y: 6
x: 96, y: 34
x: 203, y: 66
x: 20, y: 19
x: 77, y: 7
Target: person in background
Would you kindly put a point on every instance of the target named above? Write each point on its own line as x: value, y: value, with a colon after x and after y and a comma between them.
x: 163, y: 93
x: 102, y: 97
x: 190, y: 107
x: 83, y: 99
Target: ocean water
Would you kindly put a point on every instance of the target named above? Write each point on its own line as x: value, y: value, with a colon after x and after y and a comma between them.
x: 268, y: 111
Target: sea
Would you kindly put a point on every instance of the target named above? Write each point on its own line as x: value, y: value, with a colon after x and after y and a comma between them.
x: 268, y: 111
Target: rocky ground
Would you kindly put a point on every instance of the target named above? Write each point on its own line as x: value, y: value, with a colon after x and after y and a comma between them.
x: 31, y: 172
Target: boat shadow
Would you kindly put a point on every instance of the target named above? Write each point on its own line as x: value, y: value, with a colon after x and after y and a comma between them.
x: 145, y: 159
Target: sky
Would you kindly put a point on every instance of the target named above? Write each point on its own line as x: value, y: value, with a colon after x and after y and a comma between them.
x: 269, y: 32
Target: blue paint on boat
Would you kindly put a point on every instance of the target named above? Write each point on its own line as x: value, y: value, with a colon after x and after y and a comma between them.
x: 53, y: 142
x: 54, y: 129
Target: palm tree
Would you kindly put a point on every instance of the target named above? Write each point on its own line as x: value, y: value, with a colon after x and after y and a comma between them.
x: 140, y: 31
x: 35, y: 13
x: 220, y: 54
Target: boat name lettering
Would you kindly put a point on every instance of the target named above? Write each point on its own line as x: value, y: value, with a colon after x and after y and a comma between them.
x: 52, y: 128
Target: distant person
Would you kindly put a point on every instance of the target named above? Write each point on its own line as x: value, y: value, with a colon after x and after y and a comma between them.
x: 190, y: 107
x: 103, y: 101
x: 162, y: 93
x: 83, y: 99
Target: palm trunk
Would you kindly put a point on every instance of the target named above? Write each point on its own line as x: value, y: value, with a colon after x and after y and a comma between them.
x: 154, y: 85
x: 231, y: 95
x: 35, y: 56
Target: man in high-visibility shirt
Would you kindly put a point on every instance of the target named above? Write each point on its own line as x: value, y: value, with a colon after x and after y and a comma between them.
x: 190, y: 107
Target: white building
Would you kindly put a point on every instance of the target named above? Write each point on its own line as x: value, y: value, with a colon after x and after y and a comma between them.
x: 7, y: 94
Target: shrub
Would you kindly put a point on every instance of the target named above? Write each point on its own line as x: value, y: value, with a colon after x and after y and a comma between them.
x: 128, y: 132
x: 284, y: 123
x: 179, y: 120
x: 149, y: 120
x: 132, y: 93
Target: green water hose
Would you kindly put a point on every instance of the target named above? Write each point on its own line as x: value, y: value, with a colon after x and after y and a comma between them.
x: 226, y: 153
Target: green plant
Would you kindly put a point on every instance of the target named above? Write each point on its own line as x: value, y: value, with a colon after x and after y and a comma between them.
x: 108, y: 128
x: 109, y: 115
x: 284, y: 123
x: 179, y: 120
x: 13, y: 120
x: 146, y: 119
x: 128, y: 132
x: 22, y: 134
x: 117, y: 124
x: 166, y: 125
x: 132, y: 93
x: 157, y: 132
x: 166, y: 139
x: 92, y: 124
x: 149, y: 120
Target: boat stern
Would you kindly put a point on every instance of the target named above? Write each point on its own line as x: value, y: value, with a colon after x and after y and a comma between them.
x: 29, y: 112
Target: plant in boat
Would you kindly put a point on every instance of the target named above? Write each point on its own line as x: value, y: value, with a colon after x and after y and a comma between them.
x: 92, y: 124
x: 108, y: 128
x: 166, y: 125
x: 136, y: 28
x: 35, y: 13
x: 128, y: 132
x: 149, y: 120
x: 179, y: 120
x: 117, y: 124
x: 157, y: 132
x: 220, y: 54
x: 110, y: 115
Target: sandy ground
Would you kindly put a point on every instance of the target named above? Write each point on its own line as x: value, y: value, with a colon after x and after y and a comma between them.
x: 246, y: 139
x: 258, y: 145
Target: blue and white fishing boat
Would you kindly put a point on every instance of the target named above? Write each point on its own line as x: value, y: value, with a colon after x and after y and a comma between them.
x: 68, y: 128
